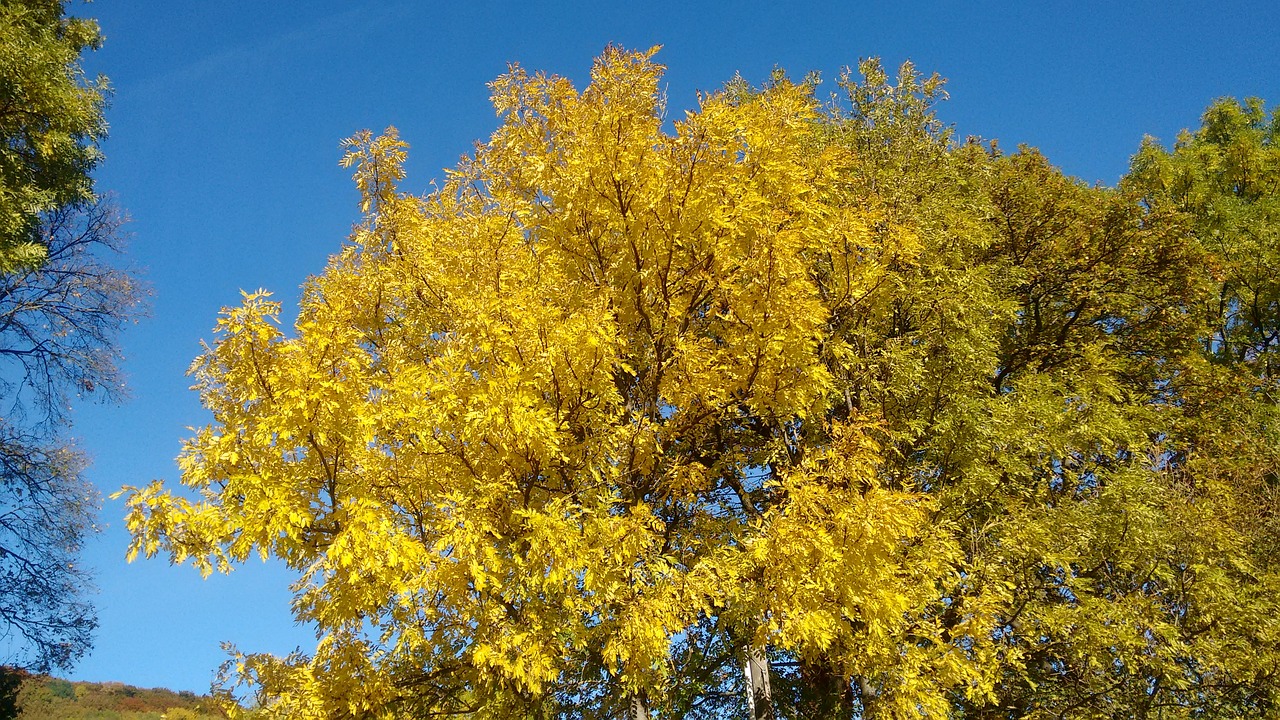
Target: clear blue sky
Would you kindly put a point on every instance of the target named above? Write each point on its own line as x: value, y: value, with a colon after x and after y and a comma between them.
x: 224, y: 149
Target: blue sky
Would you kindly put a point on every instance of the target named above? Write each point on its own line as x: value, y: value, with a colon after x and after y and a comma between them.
x: 225, y: 126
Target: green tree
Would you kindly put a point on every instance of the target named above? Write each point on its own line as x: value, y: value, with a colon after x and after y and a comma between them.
x: 50, y: 121
x: 1040, y: 366
x: 1225, y: 178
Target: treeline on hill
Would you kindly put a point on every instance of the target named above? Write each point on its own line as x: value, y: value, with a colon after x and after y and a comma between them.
x: 40, y: 697
x: 798, y: 409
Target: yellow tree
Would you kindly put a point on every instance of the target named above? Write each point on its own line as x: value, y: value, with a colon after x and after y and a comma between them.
x: 536, y: 441
x: 906, y: 428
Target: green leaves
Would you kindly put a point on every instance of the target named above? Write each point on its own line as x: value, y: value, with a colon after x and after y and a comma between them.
x: 50, y: 122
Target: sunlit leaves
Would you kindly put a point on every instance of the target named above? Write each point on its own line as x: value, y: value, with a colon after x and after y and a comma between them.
x: 629, y: 398
x: 50, y: 123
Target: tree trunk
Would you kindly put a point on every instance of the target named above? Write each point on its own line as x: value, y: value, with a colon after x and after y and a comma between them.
x: 867, y: 694
x: 759, y: 692
x: 636, y: 708
x: 826, y: 694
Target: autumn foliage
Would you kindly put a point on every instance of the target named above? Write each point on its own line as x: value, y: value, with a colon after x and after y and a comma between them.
x: 923, y: 428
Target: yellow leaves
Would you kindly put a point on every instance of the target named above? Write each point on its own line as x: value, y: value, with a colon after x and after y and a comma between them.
x: 500, y: 436
x: 521, y: 658
x: 846, y: 570
x: 339, y: 680
x: 379, y: 164
x: 479, y: 417
x: 610, y: 387
x: 187, y: 530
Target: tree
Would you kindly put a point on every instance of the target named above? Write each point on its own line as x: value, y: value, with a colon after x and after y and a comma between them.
x: 61, y: 306
x: 58, y: 323
x: 1040, y: 369
x: 558, y: 364
x: 896, y: 422
x: 1225, y: 179
x: 50, y: 121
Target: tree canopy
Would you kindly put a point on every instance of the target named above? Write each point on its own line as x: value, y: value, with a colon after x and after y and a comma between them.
x: 50, y: 121
x: 910, y: 427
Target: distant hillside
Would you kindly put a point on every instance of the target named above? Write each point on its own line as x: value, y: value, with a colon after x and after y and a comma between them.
x: 40, y: 697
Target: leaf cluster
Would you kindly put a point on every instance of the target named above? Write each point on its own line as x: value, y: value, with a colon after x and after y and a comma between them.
x: 50, y: 121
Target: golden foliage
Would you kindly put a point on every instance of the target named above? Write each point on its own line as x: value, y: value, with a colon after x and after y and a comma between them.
x: 616, y: 404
